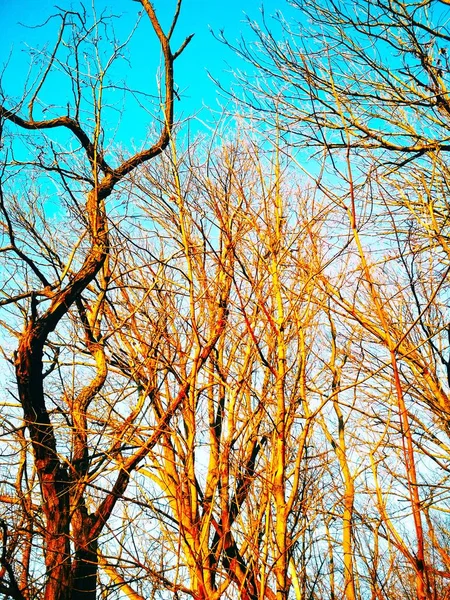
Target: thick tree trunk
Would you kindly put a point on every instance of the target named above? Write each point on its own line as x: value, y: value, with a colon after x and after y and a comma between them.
x: 53, y: 477
x: 84, y: 573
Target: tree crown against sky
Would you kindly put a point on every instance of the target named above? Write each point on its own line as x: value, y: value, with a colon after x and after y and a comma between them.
x: 227, y: 360
x: 207, y: 60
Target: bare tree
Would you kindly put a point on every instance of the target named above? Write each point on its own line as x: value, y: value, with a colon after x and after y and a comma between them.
x: 218, y: 310
x: 55, y: 283
x: 369, y: 92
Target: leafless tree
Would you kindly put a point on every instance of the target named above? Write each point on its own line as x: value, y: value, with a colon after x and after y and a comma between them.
x: 56, y: 280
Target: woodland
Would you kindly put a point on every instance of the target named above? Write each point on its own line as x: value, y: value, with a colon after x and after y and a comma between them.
x: 226, y: 356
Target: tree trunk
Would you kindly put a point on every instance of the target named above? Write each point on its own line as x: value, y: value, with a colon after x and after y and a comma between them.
x: 53, y: 477
x: 84, y: 572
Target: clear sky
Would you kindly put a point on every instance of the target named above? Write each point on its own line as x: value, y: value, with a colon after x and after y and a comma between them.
x: 204, y: 54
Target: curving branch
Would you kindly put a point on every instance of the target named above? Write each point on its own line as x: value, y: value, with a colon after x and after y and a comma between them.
x: 68, y: 570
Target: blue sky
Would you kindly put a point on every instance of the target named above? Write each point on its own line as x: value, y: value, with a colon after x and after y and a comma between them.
x: 203, y: 55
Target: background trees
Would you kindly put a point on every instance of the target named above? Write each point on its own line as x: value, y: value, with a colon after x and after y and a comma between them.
x: 231, y: 364
x: 370, y: 92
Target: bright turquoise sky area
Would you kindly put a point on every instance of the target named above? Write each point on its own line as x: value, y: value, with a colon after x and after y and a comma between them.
x: 204, y: 54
